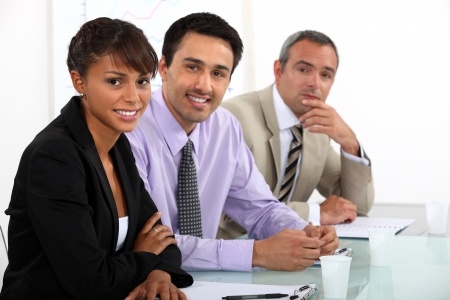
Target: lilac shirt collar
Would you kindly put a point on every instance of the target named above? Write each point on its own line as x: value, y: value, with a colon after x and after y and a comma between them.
x: 173, y: 133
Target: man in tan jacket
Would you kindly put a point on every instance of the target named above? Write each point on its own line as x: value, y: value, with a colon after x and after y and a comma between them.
x: 304, y: 74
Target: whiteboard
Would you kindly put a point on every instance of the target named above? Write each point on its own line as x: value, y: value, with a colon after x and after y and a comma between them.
x: 153, y: 16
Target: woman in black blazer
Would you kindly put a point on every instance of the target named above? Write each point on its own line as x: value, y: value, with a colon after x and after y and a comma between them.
x: 82, y: 225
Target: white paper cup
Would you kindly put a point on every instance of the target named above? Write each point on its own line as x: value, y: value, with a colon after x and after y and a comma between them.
x: 335, y: 273
x: 437, y: 214
x: 381, y: 242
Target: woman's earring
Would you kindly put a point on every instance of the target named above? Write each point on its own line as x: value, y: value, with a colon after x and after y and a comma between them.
x: 81, y: 95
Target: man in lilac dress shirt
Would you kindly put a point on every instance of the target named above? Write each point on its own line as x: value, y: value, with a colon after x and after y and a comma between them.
x: 199, y: 55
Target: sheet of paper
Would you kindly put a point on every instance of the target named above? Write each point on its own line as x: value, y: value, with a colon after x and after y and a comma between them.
x: 359, y: 228
x: 216, y: 290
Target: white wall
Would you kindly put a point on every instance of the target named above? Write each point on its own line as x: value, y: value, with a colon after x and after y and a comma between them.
x: 24, y: 84
x: 392, y: 85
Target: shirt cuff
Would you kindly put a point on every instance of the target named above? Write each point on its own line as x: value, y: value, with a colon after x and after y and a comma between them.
x: 362, y: 160
x: 237, y: 255
x: 314, y: 213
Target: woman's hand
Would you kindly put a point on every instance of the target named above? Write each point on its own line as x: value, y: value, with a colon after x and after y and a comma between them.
x: 157, y: 283
x: 154, y: 238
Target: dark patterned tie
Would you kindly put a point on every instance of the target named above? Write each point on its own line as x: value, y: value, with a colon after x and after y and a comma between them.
x: 189, y: 214
x: 291, y: 164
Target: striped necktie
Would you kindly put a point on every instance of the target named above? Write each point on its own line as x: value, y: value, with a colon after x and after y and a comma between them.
x: 189, y: 214
x: 291, y: 164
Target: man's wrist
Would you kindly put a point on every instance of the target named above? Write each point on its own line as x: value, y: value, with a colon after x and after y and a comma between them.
x: 353, y: 149
x: 256, y: 258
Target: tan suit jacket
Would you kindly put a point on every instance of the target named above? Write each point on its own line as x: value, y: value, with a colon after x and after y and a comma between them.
x: 322, y: 168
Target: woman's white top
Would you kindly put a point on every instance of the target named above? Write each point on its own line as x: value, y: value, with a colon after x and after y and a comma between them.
x: 123, y: 229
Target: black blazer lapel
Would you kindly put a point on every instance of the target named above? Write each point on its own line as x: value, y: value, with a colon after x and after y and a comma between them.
x: 74, y: 119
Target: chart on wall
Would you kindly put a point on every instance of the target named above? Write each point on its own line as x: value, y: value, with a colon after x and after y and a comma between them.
x: 152, y: 16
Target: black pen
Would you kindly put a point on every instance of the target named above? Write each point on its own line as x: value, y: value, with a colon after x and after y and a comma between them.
x: 261, y: 296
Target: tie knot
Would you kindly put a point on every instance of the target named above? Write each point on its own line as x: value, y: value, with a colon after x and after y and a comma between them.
x: 297, y: 132
x: 187, y: 149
